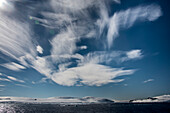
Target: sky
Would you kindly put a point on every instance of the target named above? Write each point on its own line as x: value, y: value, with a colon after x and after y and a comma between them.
x: 115, y: 49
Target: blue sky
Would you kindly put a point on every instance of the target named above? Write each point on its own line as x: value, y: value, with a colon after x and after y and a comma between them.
x: 105, y: 48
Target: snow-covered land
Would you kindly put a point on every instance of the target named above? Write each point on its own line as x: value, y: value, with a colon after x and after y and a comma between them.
x: 64, y: 100
x: 84, y: 100
x: 162, y: 98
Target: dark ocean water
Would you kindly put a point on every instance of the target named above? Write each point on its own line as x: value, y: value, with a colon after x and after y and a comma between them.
x: 90, y: 108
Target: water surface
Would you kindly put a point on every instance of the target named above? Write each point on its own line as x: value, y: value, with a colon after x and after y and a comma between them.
x: 13, y: 107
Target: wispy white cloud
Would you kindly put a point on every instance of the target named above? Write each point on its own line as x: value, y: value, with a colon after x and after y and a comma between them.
x: 2, y: 85
x: 85, y: 25
x: 73, y: 5
x: 132, y: 55
x: 125, y: 19
x: 4, y: 79
x: 96, y: 74
x: 53, y: 20
x: 103, y: 20
x: 10, y: 78
x: 90, y: 74
x: 16, y: 36
x: 149, y: 80
x: 116, y: 56
x: 64, y: 43
x: 43, y: 66
x: 21, y: 85
x: 13, y: 66
x: 87, y: 72
x: 73, y: 21
x: 15, y: 79
x: 117, y: 1
x: 103, y: 56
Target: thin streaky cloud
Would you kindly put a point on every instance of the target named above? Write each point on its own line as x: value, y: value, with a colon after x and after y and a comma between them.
x: 21, y: 85
x: 4, y: 79
x: 10, y: 78
x: 15, y: 79
x: 149, y: 80
x: 125, y: 19
x: 13, y: 66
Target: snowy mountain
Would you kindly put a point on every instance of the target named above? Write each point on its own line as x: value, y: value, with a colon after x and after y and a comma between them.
x: 67, y: 100
x: 162, y: 98
x: 83, y: 100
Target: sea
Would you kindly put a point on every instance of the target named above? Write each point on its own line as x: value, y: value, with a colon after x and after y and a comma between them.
x: 16, y: 107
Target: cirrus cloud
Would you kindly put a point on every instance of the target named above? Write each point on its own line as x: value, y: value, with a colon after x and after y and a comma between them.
x: 74, y: 21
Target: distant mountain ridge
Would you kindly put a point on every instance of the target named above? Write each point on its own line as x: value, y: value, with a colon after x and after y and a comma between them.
x: 162, y: 98
x: 68, y: 100
x: 83, y: 100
